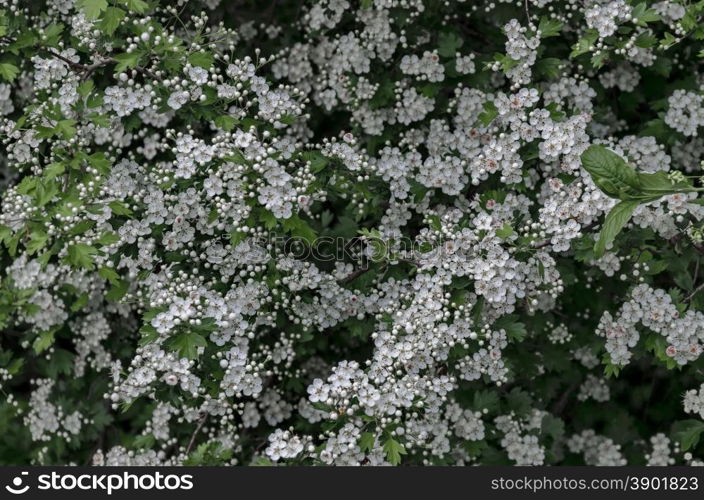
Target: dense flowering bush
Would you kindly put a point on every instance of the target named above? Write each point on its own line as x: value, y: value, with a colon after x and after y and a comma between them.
x: 338, y: 232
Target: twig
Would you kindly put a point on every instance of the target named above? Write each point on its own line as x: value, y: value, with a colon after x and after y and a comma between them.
x: 148, y: 73
x: 356, y: 274
x: 696, y: 272
x: 201, y: 421
x: 525, y: 4
x: 82, y: 67
x: 408, y: 261
x: 89, y: 69
x: 562, y: 402
x: 694, y: 292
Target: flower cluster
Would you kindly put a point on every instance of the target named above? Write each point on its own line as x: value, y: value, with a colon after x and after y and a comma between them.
x: 351, y: 232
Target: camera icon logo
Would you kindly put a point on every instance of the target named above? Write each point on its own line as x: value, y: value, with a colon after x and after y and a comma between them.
x: 16, y: 488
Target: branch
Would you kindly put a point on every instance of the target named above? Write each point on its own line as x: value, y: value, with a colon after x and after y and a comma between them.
x: 356, y: 274
x: 562, y: 402
x: 694, y: 292
x: 201, y: 421
x: 90, y: 68
x: 82, y: 67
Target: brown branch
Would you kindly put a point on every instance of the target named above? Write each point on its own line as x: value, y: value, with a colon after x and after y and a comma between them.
x: 408, y: 261
x: 88, y: 69
x: 82, y: 67
x: 353, y: 276
x: 562, y: 403
x: 694, y: 292
x: 148, y: 73
x: 359, y: 272
x: 201, y: 421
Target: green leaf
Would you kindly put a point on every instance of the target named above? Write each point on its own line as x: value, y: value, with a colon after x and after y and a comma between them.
x: 263, y: 462
x: 8, y: 71
x: 127, y: 60
x: 585, y: 43
x: 92, y: 8
x: 549, y: 67
x: 54, y: 170
x: 27, y: 185
x: 668, y: 40
x: 549, y: 27
x: 80, y: 302
x: 615, y: 221
x: 485, y: 400
x: 237, y: 237
x: 111, y: 19
x: 16, y: 365
x: 317, y: 161
x: 145, y: 441
x: 299, y: 228
x: 138, y: 6
x: 610, y: 173
x: 81, y: 255
x: 616, y: 179
x: 642, y: 15
x: 505, y: 231
x: 45, y: 192
x: 36, y: 242
x: 119, y: 208
x: 66, y: 128
x: 25, y: 39
x: 507, y: 62
x: 85, y: 88
x: 552, y: 426
x: 99, y: 120
x: 226, y: 122
x: 186, y: 344
x: 109, y: 274
x: 107, y: 238
x: 44, y: 341
x: 512, y: 326
x: 5, y: 233
x: 490, y: 112
x: 658, y: 184
x: 61, y: 362
x: 449, y: 43
x: 394, y: 450
x: 687, y: 433
x: 657, y: 266
x: 383, y: 96
x: 149, y: 335
x: 519, y: 401
x: 646, y: 40
x: 117, y: 291
x: 658, y: 346
x: 366, y: 441
x: 52, y: 34
x: 474, y: 448
x: 201, y: 59
x: 598, y: 60
x: 684, y: 280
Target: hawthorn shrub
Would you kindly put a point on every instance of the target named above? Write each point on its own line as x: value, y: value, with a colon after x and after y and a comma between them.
x: 336, y: 232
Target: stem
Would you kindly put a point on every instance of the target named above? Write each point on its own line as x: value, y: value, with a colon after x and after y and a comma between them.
x: 356, y: 274
x: 89, y: 69
x: 694, y: 292
x: 195, y: 432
